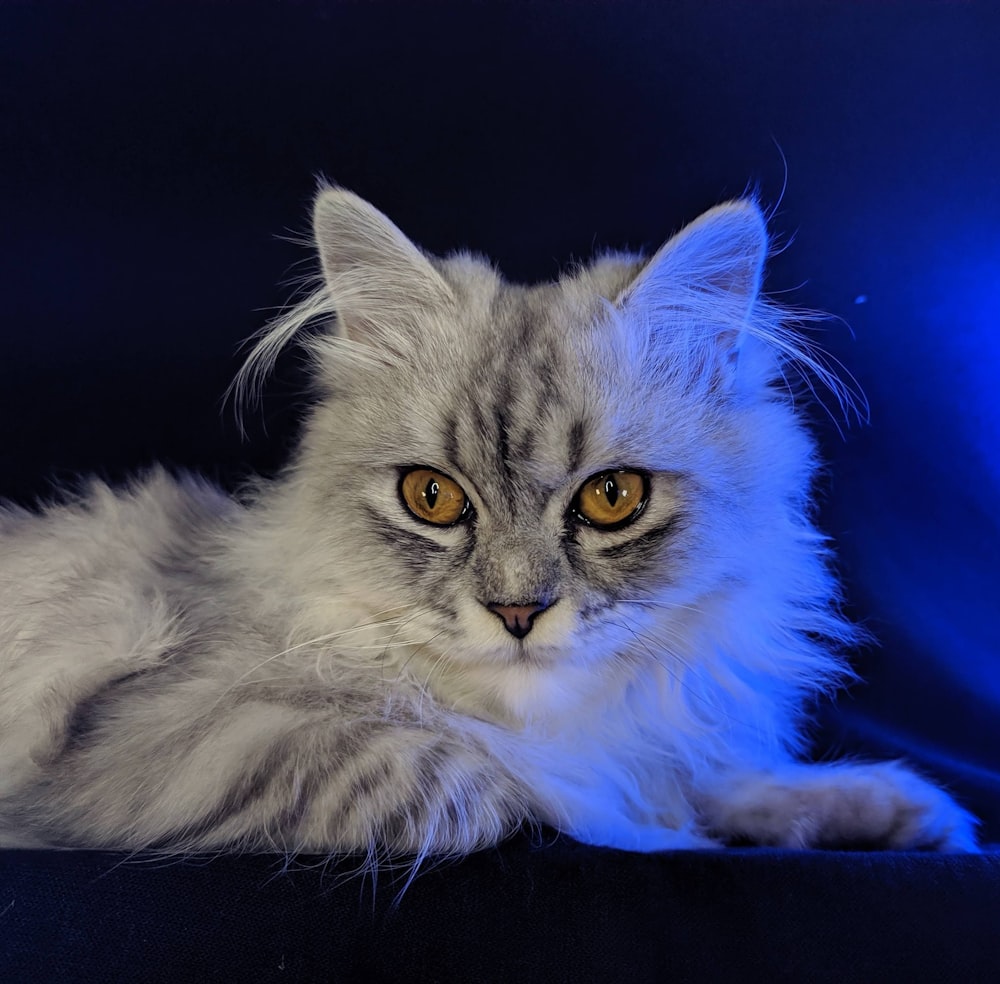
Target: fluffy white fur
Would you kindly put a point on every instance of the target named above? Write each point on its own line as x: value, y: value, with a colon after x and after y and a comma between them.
x: 312, y: 668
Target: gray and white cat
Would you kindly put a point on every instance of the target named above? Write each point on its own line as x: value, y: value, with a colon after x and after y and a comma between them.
x: 544, y: 554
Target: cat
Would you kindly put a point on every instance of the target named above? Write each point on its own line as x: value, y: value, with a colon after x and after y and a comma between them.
x: 544, y: 555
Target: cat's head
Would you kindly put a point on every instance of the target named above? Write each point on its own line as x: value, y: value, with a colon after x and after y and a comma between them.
x: 534, y: 482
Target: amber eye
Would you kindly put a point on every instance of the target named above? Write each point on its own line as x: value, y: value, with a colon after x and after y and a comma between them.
x: 433, y: 497
x: 611, y: 499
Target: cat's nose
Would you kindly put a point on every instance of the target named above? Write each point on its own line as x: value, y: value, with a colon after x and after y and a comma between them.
x: 518, y: 619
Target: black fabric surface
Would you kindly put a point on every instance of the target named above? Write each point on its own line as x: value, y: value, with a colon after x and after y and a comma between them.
x: 562, y: 913
x: 155, y: 154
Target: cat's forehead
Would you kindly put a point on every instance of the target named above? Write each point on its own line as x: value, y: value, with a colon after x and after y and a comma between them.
x: 530, y: 320
x: 529, y: 346
x: 528, y: 410
x: 519, y: 389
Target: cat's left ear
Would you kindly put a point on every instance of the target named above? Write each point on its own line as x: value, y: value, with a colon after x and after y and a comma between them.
x: 705, y: 280
x: 378, y: 280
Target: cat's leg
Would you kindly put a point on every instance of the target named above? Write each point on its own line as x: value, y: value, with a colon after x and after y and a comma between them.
x: 412, y: 792
x: 883, y: 805
x: 261, y: 780
x: 601, y: 819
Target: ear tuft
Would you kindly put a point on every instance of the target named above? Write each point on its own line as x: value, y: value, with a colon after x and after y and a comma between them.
x: 702, y: 285
x: 373, y: 272
x: 722, y: 253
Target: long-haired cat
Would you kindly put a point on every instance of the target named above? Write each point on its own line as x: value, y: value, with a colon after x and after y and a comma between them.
x: 544, y: 554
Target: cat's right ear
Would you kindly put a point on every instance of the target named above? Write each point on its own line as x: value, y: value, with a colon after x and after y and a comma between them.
x: 379, y: 282
x: 698, y: 293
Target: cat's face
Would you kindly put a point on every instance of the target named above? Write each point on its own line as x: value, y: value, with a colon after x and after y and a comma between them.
x: 529, y: 477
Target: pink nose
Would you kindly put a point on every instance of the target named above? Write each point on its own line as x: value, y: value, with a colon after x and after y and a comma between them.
x: 518, y: 619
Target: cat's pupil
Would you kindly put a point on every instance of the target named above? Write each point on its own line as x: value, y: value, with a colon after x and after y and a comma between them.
x: 610, y: 490
x: 431, y: 493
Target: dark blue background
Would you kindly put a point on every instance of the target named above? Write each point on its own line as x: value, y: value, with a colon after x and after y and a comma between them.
x: 155, y: 153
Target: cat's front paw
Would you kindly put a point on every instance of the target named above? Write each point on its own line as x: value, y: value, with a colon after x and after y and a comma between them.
x: 884, y: 806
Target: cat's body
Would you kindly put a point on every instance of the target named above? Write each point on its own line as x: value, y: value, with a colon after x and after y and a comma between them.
x: 544, y: 554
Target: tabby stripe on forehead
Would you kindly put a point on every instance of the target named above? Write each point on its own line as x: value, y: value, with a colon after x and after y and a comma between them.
x: 503, y: 429
x: 481, y: 428
x: 450, y: 440
x: 526, y: 444
x: 576, y: 445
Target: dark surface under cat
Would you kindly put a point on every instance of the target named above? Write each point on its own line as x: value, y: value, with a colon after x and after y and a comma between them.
x: 558, y: 913
x: 150, y: 155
